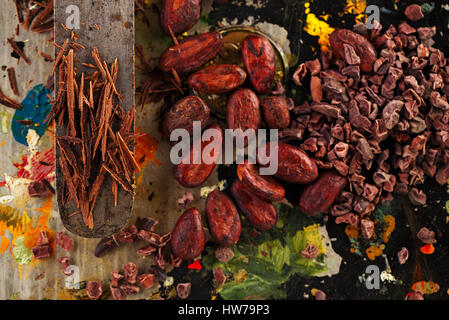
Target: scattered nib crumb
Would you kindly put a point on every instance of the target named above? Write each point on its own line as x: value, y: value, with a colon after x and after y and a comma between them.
x: 63, y: 241
x: 279, y: 90
x: 146, y: 280
x: 94, y: 289
x: 117, y: 293
x: 319, y: 294
x: 146, y: 251
x: 417, y: 197
x: 183, y: 290
x: 41, y: 250
x: 416, y: 295
x: 299, y: 74
x: 116, y: 276
x: 130, y: 269
x: 129, y: 289
x: 146, y: 223
x: 219, y: 276
x: 224, y: 254
x: 310, y: 252
x: 65, y: 263
x: 128, y: 235
x: 367, y: 228
x: 38, y: 189
x: 403, y: 255
x: 414, y: 12
x: 426, y: 236
x: 42, y: 238
x: 186, y: 199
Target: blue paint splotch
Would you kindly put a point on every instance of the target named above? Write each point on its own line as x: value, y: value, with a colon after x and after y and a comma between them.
x: 36, y: 107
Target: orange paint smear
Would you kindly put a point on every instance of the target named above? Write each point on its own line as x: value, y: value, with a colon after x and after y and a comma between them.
x: 427, y: 249
x: 146, y: 149
x: 27, y: 227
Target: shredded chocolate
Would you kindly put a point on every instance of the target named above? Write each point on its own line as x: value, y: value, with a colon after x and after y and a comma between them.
x: 13, y: 80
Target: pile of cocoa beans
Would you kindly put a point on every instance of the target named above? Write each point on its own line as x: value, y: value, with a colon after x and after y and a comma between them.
x: 251, y: 194
x: 377, y: 124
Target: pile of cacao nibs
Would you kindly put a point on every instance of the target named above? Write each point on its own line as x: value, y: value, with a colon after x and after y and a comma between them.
x: 379, y: 115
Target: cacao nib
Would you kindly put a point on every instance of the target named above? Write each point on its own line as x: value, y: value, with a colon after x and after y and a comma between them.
x: 403, y: 255
x: 94, y: 289
x: 426, y: 236
x: 65, y: 242
x: 413, y: 12
x: 183, y: 290
x: 130, y: 270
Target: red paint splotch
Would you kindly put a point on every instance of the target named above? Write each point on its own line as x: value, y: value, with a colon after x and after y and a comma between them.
x: 42, y: 164
x: 195, y: 265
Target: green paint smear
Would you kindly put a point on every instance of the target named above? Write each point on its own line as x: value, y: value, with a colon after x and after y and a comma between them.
x: 427, y: 7
x: 271, y: 258
x: 20, y: 252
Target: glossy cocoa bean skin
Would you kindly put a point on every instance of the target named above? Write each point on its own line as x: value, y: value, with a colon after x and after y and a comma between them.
x: 179, y: 15
x: 259, y: 60
x: 191, y: 53
x: 223, y: 219
x: 364, y: 49
x: 319, y: 196
x: 183, y: 113
x: 191, y: 175
x: 265, y: 187
x: 259, y: 212
x: 243, y: 110
x: 294, y: 165
x: 275, y: 110
x: 217, y: 79
x: 187, y: 241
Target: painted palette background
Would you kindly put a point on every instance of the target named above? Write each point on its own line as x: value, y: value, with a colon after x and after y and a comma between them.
x: 157, y: 193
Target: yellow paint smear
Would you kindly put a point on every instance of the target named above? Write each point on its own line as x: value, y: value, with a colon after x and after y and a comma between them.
x: 319, y: 28
x: 390, y: 224
x: 357, y: 8
x: 22, y: 225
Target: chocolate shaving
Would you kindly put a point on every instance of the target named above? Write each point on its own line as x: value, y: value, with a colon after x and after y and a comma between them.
x: 13, y: 80
x: 17, y: 50
x: 8, y: 102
